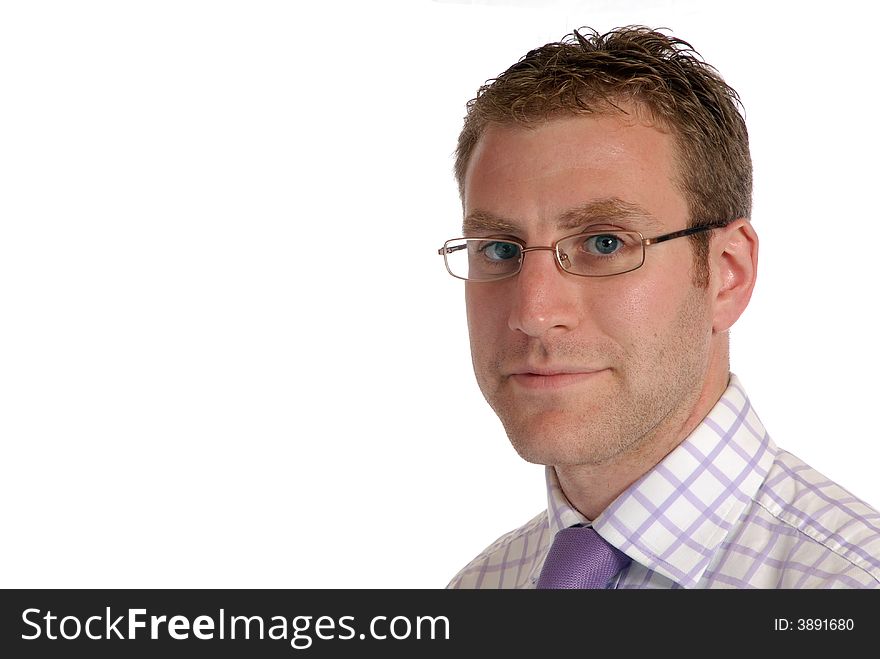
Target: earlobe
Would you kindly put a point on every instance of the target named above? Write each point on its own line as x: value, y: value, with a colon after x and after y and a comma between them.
x: 734, y: 254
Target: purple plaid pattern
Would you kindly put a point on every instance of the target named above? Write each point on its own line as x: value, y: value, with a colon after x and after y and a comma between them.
x: 725, y: 509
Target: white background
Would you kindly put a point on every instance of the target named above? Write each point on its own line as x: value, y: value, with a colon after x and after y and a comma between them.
x: 229, y: 353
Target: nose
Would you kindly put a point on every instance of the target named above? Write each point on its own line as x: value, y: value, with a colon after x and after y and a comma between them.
x: 544, y: 297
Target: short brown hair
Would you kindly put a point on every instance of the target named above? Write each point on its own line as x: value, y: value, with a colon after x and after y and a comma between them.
x: 589, y: 73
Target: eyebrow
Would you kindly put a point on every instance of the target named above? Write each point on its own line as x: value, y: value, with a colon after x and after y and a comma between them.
x: 611, y: 210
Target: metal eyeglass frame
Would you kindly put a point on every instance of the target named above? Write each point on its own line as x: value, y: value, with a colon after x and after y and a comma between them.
x: 646, y: 242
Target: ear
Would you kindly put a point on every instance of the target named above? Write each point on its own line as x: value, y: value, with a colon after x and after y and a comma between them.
x: 733, y: 258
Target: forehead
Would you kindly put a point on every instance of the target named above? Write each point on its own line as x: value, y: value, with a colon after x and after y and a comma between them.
x: 562, y: 171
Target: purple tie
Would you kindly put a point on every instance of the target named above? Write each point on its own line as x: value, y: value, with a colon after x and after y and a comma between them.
x: 580, y: 558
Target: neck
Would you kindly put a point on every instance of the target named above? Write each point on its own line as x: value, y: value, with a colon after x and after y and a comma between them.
x: 592, y: 487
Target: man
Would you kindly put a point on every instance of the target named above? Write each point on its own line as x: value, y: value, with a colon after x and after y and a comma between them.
x: 606, y: 185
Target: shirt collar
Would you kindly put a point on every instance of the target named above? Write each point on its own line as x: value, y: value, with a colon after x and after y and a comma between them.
x: 674, y: 518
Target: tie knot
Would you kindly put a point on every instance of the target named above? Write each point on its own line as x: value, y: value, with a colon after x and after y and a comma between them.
x: 580, y: 558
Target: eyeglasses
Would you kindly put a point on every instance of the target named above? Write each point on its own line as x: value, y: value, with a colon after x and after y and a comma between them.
x: 591, y: 254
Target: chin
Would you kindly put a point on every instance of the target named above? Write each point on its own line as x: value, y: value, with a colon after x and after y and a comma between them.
x: 555, y: 441
x: 547, y: 442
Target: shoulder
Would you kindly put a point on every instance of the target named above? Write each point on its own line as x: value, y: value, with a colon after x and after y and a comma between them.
x: 509, y: 561
x: 816, y: 533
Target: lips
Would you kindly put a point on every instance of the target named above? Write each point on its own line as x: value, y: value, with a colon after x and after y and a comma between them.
x: 554, y: 371
x: 549, y: 378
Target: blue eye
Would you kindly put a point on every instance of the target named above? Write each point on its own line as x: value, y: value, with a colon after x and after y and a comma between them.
x: 501, y: 251
x: 603, y: 245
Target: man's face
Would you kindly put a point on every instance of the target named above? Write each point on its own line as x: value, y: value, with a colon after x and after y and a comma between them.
x: 582, y: 370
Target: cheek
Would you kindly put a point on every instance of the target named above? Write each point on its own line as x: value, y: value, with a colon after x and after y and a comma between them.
x: 485, y: 329
x: 643, y: 311
x: 485, y: 317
